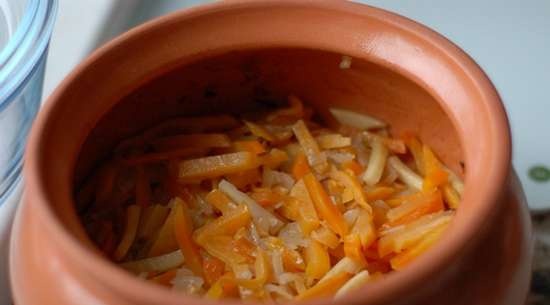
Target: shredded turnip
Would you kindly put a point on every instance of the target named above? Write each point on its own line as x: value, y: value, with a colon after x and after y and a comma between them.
x: 281, y: 291
x: 357, y: 120
x: 187, y: 282
x: 242, y: 271
x: 158, y: 263
x: 405, y: 173
x: 354, y: 283
x: 273, y: 178
x: 332, y: 141
x: 325, y: 236
x: 264, y: 219
x: 346, y: 264
x: 455, y: 181
x: 277, y: 265
x: 296, y: 279
x: 351, y: 216
x: 377, y: 162
x: 292, y: 236
x: 339, y: 157
x: 315, y: 158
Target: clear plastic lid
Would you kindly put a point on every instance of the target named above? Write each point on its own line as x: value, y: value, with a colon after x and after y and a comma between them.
x: 25, y: 30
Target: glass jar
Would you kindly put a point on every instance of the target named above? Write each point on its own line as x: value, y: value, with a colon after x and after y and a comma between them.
x: 25, y: 30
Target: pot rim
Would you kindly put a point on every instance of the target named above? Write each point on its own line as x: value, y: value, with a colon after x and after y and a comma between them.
x: 394, y: 285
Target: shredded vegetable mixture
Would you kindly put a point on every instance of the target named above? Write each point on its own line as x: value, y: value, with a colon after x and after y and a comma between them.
x: 273, y: 209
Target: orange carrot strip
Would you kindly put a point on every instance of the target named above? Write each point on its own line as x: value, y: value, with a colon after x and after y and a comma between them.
x: 324, y: 206
x: 262, y: 271
x: 265, y: 196
x: 353, y: 166
x: 227, y: 224
x: 325, y: 288
x: 292, y: 261
x: 317, y: 260
x: 416, y: 150
x: 352, y: 248
x: 213, y: 269
x: 402, y: 259
x: 300, y: 166
x: 416, y: 207
x: 244, y: 247
x: 183, y: 230
x: 219, y: 200
x: 315, y: 158
x: 435, y: 174
x: 380, y: 193
x: 307, y: 216
x: 130, y: 230
x: 252, y: 146
x: 274, y: 158
x: 451, y: 196
x: 165, y: 241
x: 245, y: 178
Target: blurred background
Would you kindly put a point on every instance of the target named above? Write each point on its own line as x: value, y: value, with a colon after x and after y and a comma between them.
x: 510, y: 39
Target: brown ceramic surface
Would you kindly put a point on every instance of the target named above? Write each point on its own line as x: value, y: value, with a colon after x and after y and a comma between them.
x: 230, y: 56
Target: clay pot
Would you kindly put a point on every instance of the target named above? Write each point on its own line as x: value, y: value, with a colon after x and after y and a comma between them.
x: 231, y: 56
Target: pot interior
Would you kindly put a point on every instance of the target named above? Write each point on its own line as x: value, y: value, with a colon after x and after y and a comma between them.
x: 236, y: 82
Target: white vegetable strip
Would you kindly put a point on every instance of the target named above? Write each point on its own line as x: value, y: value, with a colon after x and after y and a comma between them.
x: 315, y: 157
x: 357, y: 120
x: 331, y: 141
x: 158, y: 263
x: 405, y: 173
x: 455, y: 181
x: 186, y: 281
x: 354, y: 283
x: 262, y: 217
x: 272, y: 178
x: 346, y: 264
x: 377, y: 162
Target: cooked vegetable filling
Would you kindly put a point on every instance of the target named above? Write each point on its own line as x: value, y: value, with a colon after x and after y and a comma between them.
x: 272, y: 209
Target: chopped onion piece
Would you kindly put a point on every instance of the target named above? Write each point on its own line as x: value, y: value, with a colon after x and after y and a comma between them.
x: 187, y: 282
x: 377, y: 161
x: 282, y: 291
x: 357, y: 120
x: 272, y: 178
x: 455, y: 181
x: 346, y: 264
x: 351, y: 216
x: 158, y: 263
x: 264, y: 219
x: 339, y: 157
x: 405, y: 173
x: 331, y: 141
x: 277, y: 264
x: 315, y: 157
x: 292, y: 236
x: 345, y: 63
x: 242, y: 271
x: 354, y: 283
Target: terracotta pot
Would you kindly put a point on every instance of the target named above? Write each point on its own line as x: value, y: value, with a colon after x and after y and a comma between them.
x: 230, y: 56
